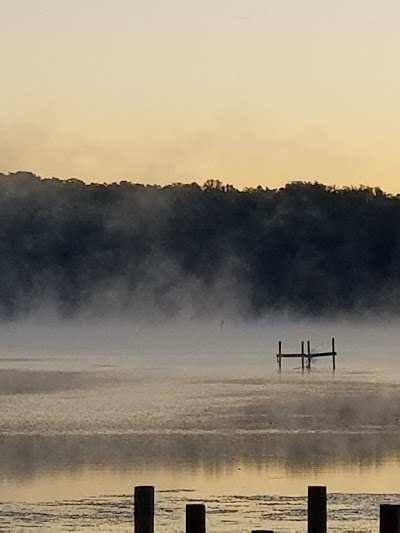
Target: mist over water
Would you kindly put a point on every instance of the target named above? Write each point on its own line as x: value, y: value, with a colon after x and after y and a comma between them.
x: 91, y: 409
x: 125, y: 249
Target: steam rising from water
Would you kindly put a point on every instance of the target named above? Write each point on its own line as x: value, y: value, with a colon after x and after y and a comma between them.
x: 191, y: 400
x: 196, y: 380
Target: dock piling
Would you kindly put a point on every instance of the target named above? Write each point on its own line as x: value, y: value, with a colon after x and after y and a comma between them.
x: 389, y: 518
x: 389, y: 514
x: 195, y: 518
x: 144, y: 509
x: 317, y: 516
x: 280, y: 355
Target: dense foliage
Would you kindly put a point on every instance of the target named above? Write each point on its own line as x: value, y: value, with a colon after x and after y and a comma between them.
x: 195, y: 250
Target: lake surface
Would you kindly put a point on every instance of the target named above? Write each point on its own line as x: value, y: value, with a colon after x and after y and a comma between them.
x: 89, y: 411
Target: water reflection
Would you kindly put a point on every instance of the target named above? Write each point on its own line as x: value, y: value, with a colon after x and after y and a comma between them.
x: 80, y: 428
x: 24, y: 456
x: 71, y: 425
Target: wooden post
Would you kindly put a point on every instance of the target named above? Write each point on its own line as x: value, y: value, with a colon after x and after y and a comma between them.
x: 389, y: 518
x: 317, y: 517
x: 302, y: 355
x: 144, y: 509
x: 333, y: 354
x: 195, y: 518
x: 280, y: 355
x: 308, y: 355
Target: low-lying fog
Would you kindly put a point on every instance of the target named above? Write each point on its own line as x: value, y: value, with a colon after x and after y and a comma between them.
x: 225, y: 342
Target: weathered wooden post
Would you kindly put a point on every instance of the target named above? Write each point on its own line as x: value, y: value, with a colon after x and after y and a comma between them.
x: 280, y: 355
x: 195, y: 518
x: 389, y: 518
x: 317, y: 516
x: 308, y: 355
x: 144, y: 509
x: 333, y: 354
x: 302, y: 355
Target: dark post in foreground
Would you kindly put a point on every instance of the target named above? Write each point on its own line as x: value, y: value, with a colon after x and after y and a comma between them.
x: 317, y: 510
x: 389, y: 518
x: 144, y: 509
x: 195, y: 518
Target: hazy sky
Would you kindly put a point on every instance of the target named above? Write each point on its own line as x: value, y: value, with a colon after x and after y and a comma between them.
x: 246, y: 91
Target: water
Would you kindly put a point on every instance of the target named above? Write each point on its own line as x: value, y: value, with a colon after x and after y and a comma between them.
x: 88, y: 412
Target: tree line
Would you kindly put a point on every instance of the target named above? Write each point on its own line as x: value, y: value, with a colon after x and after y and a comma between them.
x: 190, y: 250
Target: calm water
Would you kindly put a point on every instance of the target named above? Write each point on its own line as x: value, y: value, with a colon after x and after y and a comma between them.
x: 89, y: 412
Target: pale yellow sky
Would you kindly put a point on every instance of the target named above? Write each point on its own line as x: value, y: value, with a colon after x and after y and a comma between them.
x: 247, y: 91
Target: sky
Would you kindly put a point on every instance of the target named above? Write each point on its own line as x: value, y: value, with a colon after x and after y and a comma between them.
x: 250, y: 92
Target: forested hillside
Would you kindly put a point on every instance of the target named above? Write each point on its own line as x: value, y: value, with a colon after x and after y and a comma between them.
x: 191, y: 250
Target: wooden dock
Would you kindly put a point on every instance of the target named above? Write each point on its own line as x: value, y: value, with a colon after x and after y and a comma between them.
x: 306, y: 358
